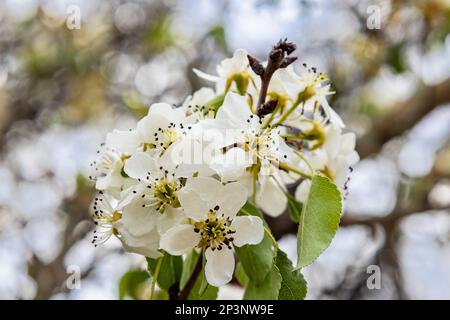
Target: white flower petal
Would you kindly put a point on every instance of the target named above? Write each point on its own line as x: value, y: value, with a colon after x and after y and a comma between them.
x: 199, y: 196
x: 149, y: 125
x: 271, y: 198
x: 139, y: 165
x: 124, y: 142
x: 193, y: 205
x: 236, y: 110
x: 205, y: 76
x: 147, y: 244
x: 137, y: 219
x: 249, y: 230
x: 239, y: 62
x: 232, y: 198
x: 175, y: 115
x: 160, y: 108
x: 336, y: 119
x: 185, y: 157
x: 219, y: 266
x: 231, y: 165
x: 333, y: 141
x: 302, y: 191
x: 170, y: 218
x: 179, y: 240
x: 145, y: 251
x: 348, y: 142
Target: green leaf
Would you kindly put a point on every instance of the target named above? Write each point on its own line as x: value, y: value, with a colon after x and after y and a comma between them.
x: 319, y: 220
x: 132, y: 284
x: 170, y: 272
x: 188, y: 266
x: 209, y: 292
x: 250, y: 210
x: 201, y: 290
x: 257, y: 260
x: 204, y: 284
x: 293, y: 285
x: 240, y: 275
x: 294, y: 207
x: 267, y: 289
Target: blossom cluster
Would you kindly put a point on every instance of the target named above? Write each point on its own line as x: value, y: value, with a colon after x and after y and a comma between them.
x: 178, y: 180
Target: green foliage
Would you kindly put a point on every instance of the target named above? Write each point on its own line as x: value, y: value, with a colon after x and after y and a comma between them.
x: 294, y: 208
x: 250, y: 210
x: 201, y: 290
x: 240, y: 275
x: 188, y: 265
x: 132, y: 284
x: 256, y: 260
x: 135, y: 105
x: 395, y: 58
x: 170, y: 271
x: 267, y: 289
x: 160, y: 35
x: 293, y: 285
x: 319, y: 220
x: 217, y: 32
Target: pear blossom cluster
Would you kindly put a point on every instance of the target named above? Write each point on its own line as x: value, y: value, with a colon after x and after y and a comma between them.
x: 176, y: 182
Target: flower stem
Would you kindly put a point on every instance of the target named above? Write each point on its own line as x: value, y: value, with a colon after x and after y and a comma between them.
x: 266, y: 230
x: 287, y: 113
x: 278, y: 58
x: 192, y: 279
x: 286, y: 167
x: 155, y: 277
x: 275, y: 243
x: 305, y: 160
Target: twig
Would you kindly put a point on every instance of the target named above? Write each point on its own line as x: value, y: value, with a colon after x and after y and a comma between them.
x: 191, y: 282
x: 278, y: 58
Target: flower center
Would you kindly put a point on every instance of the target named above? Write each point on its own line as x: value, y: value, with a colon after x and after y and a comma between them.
x: 165, y: 137
x: 262, y: 143
x: 215, y: 231
x: 105, y: 221
x: 165, y: 192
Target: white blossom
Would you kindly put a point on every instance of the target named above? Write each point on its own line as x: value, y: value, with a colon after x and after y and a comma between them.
x: 214, y: 227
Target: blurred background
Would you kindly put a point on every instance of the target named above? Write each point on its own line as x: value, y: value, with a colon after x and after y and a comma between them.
x: 62, y: 88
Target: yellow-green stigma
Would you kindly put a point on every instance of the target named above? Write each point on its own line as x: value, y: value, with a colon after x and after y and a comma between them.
x: 215, y: 231
x: 165, y: 192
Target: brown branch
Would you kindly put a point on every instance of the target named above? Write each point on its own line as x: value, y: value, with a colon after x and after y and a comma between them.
x: 192, y: 279
x: 403, y: 117
x: 278, y: 58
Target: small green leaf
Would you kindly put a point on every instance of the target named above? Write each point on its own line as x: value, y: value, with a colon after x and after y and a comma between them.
x: 201, y: 290
x: 293, y: 285
x: 319, y: 220
x: 257, y: 260
x: 240, y: 275
x: 208, y: 293
x: 267, y: 289
x: 132, y: 284
x: 294, y: 207
x: 204, y: 284
x: 170, y: 272
x: 188, y: 266
x: 250, y: 210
